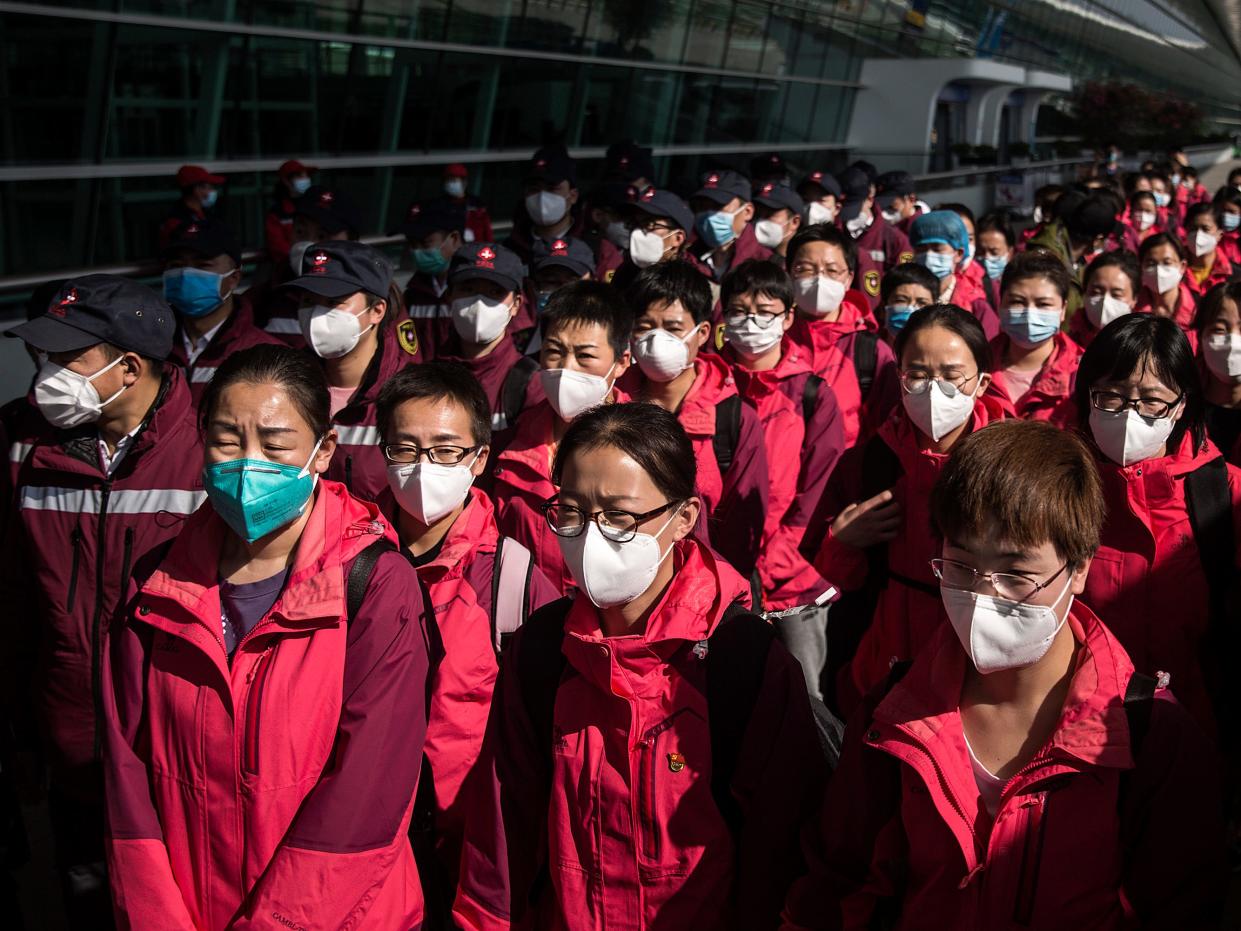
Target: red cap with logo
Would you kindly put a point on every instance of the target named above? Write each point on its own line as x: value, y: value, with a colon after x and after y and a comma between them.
x: 190, y: 175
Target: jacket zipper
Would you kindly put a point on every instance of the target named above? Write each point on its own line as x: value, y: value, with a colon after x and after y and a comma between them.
x: 349, y: 474
x: 1032, y: 858
x: 76, y: 539
x: 646, y: 801
x: 96, y: 644
x: 254, y: 708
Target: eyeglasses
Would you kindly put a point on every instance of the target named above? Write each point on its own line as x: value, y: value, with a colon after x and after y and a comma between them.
x: 806, y: 269
x: 617, y: 525
x: 1153, y: 408
x: 1008, y: 585
x: 654, y: 226
x: 920, y: 382
x: 764, y: 320
x: 440, y: 455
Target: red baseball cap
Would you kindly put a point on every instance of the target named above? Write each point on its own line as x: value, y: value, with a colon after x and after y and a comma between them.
x: 189, y: 175
x: 294, y: 167
x: 455, y: 170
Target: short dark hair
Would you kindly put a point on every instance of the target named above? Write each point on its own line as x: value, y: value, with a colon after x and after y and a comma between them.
x: 648, y: 434
x: 1037, y: 264
x: 299, y: 374
x: 1024, y: 482
x: 1139, y: 195
x: 961, y: 322
x: 1197, y: 210
x: 908, y: 273
x: 589, y: 303
x: 1160, y: 239
x: 435, y: 381
x: 667, y: 282
x: 1228, y: 194
x: 996, y: 222
x: 1213, y: 302
x: 1123, y: 259
x: 1048, y: 194
x: 757, y: 277
x: 823, y: 232
x: 963, y: 212
x: 1135, y: 341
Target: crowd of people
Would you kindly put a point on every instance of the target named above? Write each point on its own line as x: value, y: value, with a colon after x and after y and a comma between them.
x: 791, y: 555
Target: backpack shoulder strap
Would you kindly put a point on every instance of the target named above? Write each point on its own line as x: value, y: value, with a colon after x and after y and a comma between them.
x: 1210, y: 515
x: 1139, y: 700
x: 727, y: 431
x: 865, y: 359
x: 540, y: 663
x: 510, y: 590
x: 881, y: 467
x: 810, y: 397
x: 513, y: 392
x: 360, y: 575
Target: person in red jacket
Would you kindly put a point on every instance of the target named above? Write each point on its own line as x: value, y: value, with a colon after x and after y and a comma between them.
x: 904, y: 290
x: 880, y: 246
x: 202, y: 269
x: 584, y: 350
x: 114, y: 474
x: 1141, y: 220
x: 477, y: 219
x: 671, y: 305
x: 620, y: 789
x: 292, y: 181
x: 1219, y: 361
x: 200, y: 190
x: 433, y: 233
x: 835, y: 328
x: 940, y: 241
x: 348, y: 313
x: 661, y: 224
x: 996, y: 248
x: 723, y: 209
x: 1207, y: 263
x: 1035, y: 361
x: 804, y: 437
x: 898, y: 200
x: 264, y: 694
x: 551, y: 209
x: 1018, y: 773
x: 1165, y: 292
x: 870, y: 535
x: 435, y: 427
x: 1228, y: 202
x: 778, y: 213
x: 1157, y: 586
x: 1111, y: 286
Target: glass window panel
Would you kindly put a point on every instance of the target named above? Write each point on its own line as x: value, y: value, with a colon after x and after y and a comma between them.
x: 707, y: 33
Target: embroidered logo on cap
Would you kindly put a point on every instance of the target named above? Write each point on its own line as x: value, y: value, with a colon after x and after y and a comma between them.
x: 767, y: 188
x: 816, y: 176
x: 415, y: 210
x: 624, y: 161
x: 486, y: 257
x: 318, y: 263
x: 712, y: 181
x: 648, y: 194
x: 560, y: 247
x: 58, y: 309
x: 191, y: 230
x: 326, y: 198
x: 540, y: 163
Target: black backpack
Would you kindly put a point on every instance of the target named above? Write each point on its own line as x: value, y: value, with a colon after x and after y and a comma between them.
x: 865, y: 359
x: 513, y: 392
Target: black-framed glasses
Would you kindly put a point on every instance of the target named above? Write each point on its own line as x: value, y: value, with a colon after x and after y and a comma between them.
x: 1153, y: 408
x: 654, y: 225
x: 405, y: 453
x: 918, y: 382
x: 764, y: 320
x: 619, y: 526
x: 1011, y: 586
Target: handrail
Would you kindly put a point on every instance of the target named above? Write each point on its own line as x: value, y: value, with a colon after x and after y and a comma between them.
x: 982, y: 171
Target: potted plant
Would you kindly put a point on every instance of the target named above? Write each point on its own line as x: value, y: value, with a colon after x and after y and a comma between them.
x: 986, y: 155
x: 963, y: 153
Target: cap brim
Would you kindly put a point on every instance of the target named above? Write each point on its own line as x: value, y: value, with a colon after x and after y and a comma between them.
x: 851, y: 209
x: 213, y: 179
x: 325, y: 287
x: 557, y: 261
x: 716, y: 195
x: 487, y: 274
x: 52, y: 335
x: 774, y: 204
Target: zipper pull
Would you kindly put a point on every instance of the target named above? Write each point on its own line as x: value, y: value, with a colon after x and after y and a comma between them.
x: 969, y: 877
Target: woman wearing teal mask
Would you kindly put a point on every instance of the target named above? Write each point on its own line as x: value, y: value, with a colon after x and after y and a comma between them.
x: 908, y: 287
x: 995, y: 249
x: 433, y: 231
x: 298, y: 644
x: 1035, y: 363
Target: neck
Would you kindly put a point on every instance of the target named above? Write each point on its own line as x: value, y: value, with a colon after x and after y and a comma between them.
x: 420, y: 538
x: 946, y: 285
x: 557, y: 229
x: 195, y: 327
x: 1202, y: 261
x: 782, y: 250
x: 1036, y: 686
x: 764, y: 363
x: 1170, y: 300
x: 479, y: 350
x: 349, y: 370
x: 632, y: 618
x: 1222, y: 393
x: 724, y: 251
x: 669, y: 394
x: 1019, y: 357
x: 830, y: 317
x: 267, y: 555
x: 123, y: 415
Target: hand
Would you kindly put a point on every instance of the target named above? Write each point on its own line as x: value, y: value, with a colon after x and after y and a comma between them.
x: 865, y: 523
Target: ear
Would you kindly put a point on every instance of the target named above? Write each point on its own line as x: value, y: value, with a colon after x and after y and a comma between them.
x: 675, y: 240
x: 747, y: 212
x: 686, y: 520
x: 958, y: 256
x: 1077, y: 585
x: 479, y: 465
x: 376, y: 314
x: 573, y: 196
x: 984, y: 382
x: 133, y: 366
x: 518, y: 298
x: 702, y: 334
x: 622, y: 363
x: 234, y: 279
x: 323, y: 458
x: 794, y: 224
x: 789, y: 316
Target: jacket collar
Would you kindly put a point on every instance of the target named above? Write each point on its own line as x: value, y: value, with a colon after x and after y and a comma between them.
x: 713, y: 382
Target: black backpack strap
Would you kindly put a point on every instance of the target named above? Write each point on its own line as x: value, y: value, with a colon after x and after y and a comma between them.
x: 1139, y: 700
x: 727, y: 431
x: 880, y: 470
x: 360, y: 575
x: 1210, y: 515
x: 540, y: 664
x: 865, y: 359
x: 513, y: 392
x: 810, y: 397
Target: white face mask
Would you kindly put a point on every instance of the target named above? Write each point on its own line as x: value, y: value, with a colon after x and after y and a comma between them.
x: 892, y: 217
x: 571, y: 393
x: 662, y: 356
x: 613, y: 573
x: 1127, y: 437
x: 68, y: 399
x: 818, y: 295
x: 296, y: 252
x: 1162, y: 278
x: 818, y: 213
x: 479, y: 319
x: 1102, y: 309
x: 617, y: 233
x: 427, y: 491
x: 939, y: 410
x: 1000, y: 634
x: 750, y: 340
x: 1222, y: 353
x: 1144, y: 219
x: 859, y: 224
x: 769, y: 233
x: 645, y: 248
x: 546, y: 208
x: 1038, y: 215
x: 330, y: 331
x: 1203, y: 243
x: 455, y: 187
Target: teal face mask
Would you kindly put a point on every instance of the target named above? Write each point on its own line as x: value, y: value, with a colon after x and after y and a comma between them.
x: 716, y: 228
x: 255, y: 496
x: 895, y: 318
x: 995, y: 265
x: 938, y: 263
x: 430, y: 261
x: 193, y: 292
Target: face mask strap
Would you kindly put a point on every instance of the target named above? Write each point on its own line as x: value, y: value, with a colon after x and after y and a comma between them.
x: 305, y: 470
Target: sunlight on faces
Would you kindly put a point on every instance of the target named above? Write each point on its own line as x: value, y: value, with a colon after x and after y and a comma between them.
x: 937, y: 352
x: 1111, y: 280
x: 582, y: 347
x: 260, y: 421
x: 675, y: 319
x: 427, y: 422
x: 821, y: 258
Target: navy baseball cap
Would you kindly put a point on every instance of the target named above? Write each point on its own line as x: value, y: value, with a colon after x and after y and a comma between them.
x: 566, y: 252
x: 103, y: 309
x: 433, y: 216
x: 778, y: 196
x: 552, y: 165
x: 895, y: 183
x: 667, y: 205
x: 770, y: 165
x: 628, y: 161
x: 332, y: 210
x: 855, y: 186
x: 824, y: 179
x: 340, y: 267
x: 613, y: 195
x: 720, y: 187
x: 207, y: 238
x: 488, y: 261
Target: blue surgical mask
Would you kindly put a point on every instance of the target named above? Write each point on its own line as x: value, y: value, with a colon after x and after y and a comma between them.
x: 301, y: 185
x: 1162, y: 199
x: 1029, y: 328
x: 895, y: 318
x: 193, y: 292
x: 255, y: 496
x: 995, y: 265
x: 716, y: 228
x: 430, y: 261
x: 938, y: 263
x: 540, y: 300
x: 210, y: 198
x: 1232, y: 221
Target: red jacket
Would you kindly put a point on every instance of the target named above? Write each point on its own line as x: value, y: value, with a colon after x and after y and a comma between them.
x: 1051, y: 393
x: 278, y: 230
x: 1221, y: 271
x: 610, y: 259
x: 1186, y: 304
x: 631, y: 835
x: 275, y: 307
x: 1146, y: 581
x: 490, y: 370
x: 272, y: 789
x: 238, y: 332
x: 427, y: 305
x: 880, y: 248
x: 1230, y: 246
x: 747, y: 247
x: 905, y: 617
x: 22, y: 424
x: 1082, y: 838
x: 358, y: 460
x: 968, y: 294
x: 71, y: 545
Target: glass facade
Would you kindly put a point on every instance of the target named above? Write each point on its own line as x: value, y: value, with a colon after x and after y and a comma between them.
x: 101, y: 101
